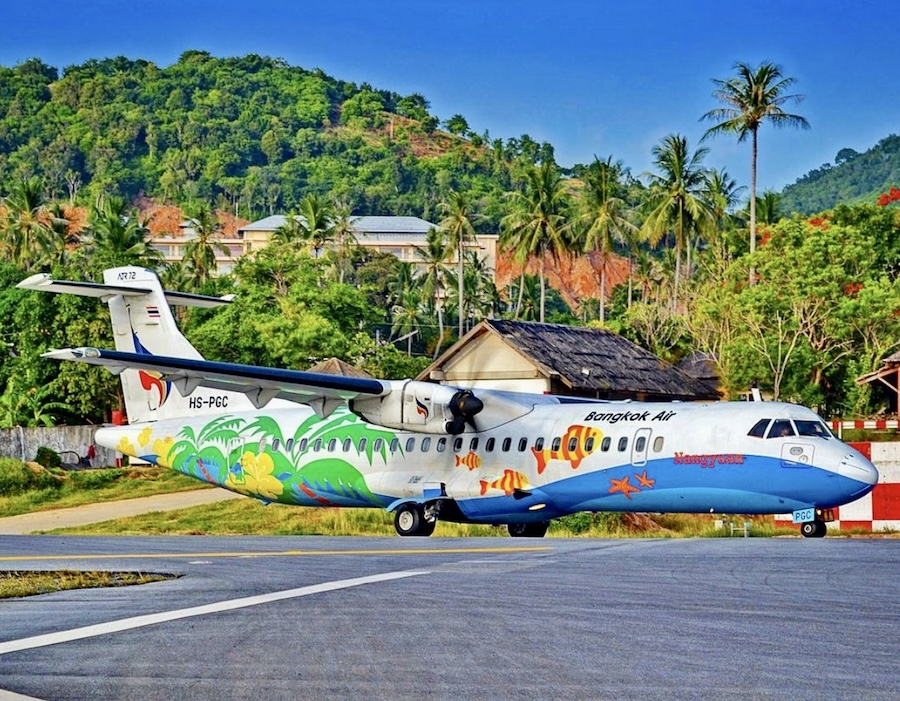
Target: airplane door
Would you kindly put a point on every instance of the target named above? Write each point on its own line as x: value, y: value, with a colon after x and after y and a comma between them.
x: 640, y: 447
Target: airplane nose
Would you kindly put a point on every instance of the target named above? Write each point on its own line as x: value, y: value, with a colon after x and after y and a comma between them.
x: 858, y: 468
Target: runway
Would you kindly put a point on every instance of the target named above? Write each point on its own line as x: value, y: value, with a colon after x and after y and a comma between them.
x: 391, y: 618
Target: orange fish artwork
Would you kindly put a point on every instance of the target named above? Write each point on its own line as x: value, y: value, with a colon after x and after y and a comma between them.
x: 583, y: 436
x: 510, y: 482
x: 471, y: 461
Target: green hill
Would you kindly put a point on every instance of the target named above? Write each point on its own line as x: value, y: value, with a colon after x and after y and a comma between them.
x: 252, y: 133
x: 854, y: 178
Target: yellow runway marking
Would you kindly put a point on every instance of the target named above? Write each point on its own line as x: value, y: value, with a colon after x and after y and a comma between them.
x: 269, y: 553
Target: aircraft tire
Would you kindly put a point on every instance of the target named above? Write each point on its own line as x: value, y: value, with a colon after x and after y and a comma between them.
x: 409, y: 520
x: 813, y: 529
x: 528, y: 530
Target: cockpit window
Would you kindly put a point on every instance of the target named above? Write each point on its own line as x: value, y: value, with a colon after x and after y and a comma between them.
x: 759, y: 430
x: 781, y: 428
x: 813, y: 428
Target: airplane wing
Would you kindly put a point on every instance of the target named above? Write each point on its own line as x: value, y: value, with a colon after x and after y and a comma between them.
x: 320, y: 391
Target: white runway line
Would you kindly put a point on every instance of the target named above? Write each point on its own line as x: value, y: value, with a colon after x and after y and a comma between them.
x: 154, y: 618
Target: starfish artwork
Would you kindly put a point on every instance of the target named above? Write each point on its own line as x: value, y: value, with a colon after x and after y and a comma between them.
x: 623, y: 486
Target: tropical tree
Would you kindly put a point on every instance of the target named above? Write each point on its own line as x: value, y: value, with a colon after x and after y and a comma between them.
x: 318, y: 221
x: 117, y: 236
x: 434, y: 277
x: 27, y: 224
x: 753, y: 96
x: 603, y: 215
x: 200, y: 251
x: 537, y: 223
x: 342, y: 232
x: 676, y: 200
x: 459, y: 213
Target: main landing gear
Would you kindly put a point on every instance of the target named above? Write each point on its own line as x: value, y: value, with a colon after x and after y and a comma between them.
x: 414, y: 520
x: 528, y: 530
x: 813, y: 529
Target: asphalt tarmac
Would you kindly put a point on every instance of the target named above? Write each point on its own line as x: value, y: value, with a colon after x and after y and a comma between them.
x: 425, y: 618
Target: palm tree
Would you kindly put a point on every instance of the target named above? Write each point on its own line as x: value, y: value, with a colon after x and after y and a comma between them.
x: 116, y: 236
x: 407, y: 316
x: 434, y: 256
x: 753, y: 96
x: 768, y: 207
x: 344, y: 238
x: 457, y: 223
x: 722, y: 193
x: 200, y: 251
x: 536, y: 225
x: 675, y: 199
x: 26, y: 227
x: 603, y: 215
x: 318, y: 221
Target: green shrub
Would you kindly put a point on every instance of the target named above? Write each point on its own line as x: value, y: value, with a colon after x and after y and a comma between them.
x: 48, y: 457
x: 95, y: 479
x: 17, y: 478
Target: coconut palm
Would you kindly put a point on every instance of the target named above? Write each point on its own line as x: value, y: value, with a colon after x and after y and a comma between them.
x: 434, y: 276
x: 603, y: 215
x: 676, y: 200
x: 722, y: 194
x: 200, y: 251
x: 26, y: 227
x: 344, y: 238
x: 459, y: 213
x: 116, y: 236
x: 753, y: 96
x: 537, y: 223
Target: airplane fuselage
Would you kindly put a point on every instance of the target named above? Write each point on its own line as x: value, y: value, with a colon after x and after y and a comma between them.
x: 557, y: 459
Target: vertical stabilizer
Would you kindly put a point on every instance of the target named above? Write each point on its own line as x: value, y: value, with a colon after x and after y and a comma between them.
x: 143, y: 322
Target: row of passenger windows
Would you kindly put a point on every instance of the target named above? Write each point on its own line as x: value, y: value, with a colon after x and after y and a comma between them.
x: 425, y: 444
x: 779, y: 428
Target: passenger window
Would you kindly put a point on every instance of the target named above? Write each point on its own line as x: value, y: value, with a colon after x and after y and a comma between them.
x: 410, y: 445
x: 348, y: 443
x: 589, y: 444
x: 658, y: 444
x: 378, y: 445
x: 394, y: 444
x: 332, y: 444
x: 539, y: 443
x: 317, y: 445
x: 289, y: 444
x: 457, y: 444
x: 623, y: 444
x: 302, y: 445
x: 426, y: 445
x: 441, y: 445
x: 523, y: 444
x: 489, y: 445
x: 605, y: 443
x: 554, y: 446
x: 781, y: 428
x: 573, y: 444
x: 473, y: 444
x: 507, y: 442
x: 759, y: 430
x: 362, y: 445
x: 275, y: 444
x: 640, y: 444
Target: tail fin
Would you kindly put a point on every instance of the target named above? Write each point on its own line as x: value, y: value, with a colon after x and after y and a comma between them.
x: 142, y: 322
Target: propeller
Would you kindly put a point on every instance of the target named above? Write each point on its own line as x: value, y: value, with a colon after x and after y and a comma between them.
x: 463, y: 406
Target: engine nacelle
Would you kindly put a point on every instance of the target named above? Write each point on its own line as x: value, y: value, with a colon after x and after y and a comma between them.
x: 419, y: 406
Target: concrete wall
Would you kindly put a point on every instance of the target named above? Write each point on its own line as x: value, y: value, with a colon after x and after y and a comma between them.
x: 71, y: 442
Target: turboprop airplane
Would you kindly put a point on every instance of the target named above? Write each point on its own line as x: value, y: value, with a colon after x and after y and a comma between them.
x: 426, y: 451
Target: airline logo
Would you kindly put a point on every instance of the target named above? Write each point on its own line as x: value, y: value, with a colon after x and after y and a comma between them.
x: 421, y: 409
x: 153, y: 382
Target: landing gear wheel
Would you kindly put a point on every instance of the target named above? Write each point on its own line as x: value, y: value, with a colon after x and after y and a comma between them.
x: 409, y: 520
x: 528, y: 530
x: 813, y: 529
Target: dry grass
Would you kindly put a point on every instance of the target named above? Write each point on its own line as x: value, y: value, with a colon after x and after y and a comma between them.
x: 30, y: 582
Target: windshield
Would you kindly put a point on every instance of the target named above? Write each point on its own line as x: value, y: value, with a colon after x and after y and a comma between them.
x: 813, y: 428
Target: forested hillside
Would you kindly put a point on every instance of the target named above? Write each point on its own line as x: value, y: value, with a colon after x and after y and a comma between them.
x: 854, y: 177
x: 251, y: 134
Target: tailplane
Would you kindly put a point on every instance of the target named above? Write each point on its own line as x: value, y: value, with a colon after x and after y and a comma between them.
x: 143, y: 322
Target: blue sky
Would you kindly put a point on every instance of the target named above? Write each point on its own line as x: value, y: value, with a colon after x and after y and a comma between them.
x: 590, y: 77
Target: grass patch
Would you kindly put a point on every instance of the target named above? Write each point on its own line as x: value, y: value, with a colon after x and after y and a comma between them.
x: 28, y: 583
x: 52, y: 489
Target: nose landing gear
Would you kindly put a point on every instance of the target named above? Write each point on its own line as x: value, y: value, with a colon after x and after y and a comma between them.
x: 813, y: 529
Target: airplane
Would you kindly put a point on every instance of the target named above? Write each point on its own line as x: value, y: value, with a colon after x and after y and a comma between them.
x: 427, y: 452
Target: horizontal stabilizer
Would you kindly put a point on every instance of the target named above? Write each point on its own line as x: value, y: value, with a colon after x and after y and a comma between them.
x: 44, y: 283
